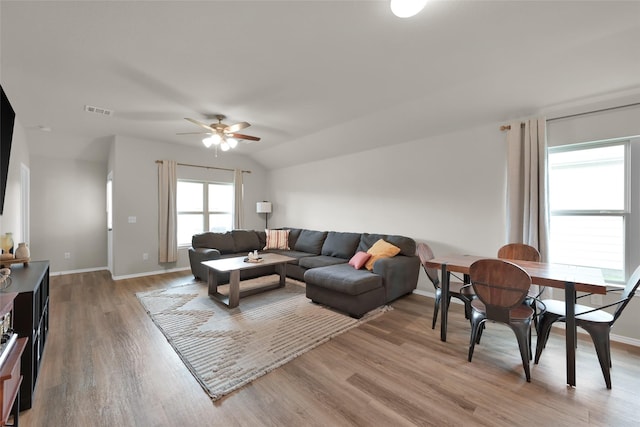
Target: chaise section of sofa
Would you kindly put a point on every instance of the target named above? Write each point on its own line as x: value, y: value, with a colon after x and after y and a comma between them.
x: 358, y: 291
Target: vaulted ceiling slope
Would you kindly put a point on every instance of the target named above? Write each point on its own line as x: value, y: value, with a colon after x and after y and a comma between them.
x: 314, y: 78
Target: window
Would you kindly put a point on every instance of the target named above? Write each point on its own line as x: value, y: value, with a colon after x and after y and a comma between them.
x: 203, y: 206
x: 589, y: 204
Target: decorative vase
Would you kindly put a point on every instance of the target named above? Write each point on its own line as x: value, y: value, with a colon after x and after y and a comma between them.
x: 6, y: 242
x: 22, y: 252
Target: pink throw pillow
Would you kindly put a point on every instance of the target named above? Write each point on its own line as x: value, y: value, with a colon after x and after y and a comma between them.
x: 359, y: 260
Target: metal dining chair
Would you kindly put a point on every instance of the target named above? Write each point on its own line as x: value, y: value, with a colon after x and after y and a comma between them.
x: 596, y: 321
x: 501, y: 286
x: 458, y: 290
x: 524, y: 252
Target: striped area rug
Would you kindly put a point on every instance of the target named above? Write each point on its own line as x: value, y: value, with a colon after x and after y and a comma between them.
x: 228, y: 348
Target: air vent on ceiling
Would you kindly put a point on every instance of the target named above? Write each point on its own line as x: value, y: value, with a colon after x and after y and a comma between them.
x: 98, y: 110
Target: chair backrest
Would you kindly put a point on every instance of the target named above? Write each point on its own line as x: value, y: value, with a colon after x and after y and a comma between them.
x: 519, y: 251
x: 425, y: 254
x: 629, y: 290
x: 501, y: 285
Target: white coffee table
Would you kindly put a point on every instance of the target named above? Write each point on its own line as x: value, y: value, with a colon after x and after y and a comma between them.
x: 236, y: 264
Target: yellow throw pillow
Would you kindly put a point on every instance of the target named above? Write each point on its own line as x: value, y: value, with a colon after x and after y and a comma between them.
x: 381, y: 249
x: 277, y: 239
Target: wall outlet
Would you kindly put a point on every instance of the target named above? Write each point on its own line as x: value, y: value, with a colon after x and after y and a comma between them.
x: 145, y: 256
x: 132, y: 219
x: 67, y: 255
x: 596, y: 300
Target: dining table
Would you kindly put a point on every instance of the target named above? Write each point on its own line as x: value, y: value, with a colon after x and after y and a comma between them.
x: 571, y: 278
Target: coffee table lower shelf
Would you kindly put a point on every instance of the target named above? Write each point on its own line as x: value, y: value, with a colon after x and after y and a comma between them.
x: 233, y: 266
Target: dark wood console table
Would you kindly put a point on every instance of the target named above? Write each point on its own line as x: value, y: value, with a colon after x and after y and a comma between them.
x: 10, y: 378
x: 30, y: 320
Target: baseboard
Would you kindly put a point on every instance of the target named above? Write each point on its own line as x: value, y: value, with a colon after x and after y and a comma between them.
x: 82, y: 270
x: 127, y: 276
x: 617, y: 338
x: 150, y: 273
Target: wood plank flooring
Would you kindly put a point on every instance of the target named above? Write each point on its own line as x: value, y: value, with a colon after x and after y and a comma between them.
x: 106, y: 364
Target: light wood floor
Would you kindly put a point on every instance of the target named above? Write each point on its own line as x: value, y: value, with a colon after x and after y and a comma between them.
x: 106, y: 364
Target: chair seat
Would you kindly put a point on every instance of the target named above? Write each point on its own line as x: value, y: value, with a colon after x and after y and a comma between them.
x: 459, y: 288
x: 558, y: 308
x: 520, y: 312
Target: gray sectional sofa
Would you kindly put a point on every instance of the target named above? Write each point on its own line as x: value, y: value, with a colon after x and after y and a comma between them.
x: 321, y: 261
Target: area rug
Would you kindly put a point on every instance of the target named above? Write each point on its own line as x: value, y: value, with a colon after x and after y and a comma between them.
x: 228, y: 348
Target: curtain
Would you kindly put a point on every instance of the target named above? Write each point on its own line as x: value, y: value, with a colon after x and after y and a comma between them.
x: 238, y: 213
x: 167, y: 191
x: 527, y: 190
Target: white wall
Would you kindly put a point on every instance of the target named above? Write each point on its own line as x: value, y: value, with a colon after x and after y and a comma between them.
x: 135, y: 190
x: 448, y: 191
x: 68, y: 213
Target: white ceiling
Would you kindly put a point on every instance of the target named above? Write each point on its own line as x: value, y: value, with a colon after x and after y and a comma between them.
x: 314, y: 78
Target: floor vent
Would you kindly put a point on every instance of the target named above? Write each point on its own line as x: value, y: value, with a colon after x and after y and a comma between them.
x: 98, y: 110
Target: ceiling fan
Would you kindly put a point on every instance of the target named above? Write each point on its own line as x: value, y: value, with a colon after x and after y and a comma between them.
x: 226, y: 136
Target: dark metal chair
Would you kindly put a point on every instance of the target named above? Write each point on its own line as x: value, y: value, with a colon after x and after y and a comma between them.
x: 501, y: 287
x: 458, y: 290
x: 524, y: 252
x: 596, y: 321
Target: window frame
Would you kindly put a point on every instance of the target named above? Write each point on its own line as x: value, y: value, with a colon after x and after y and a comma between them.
x: 205, y: 206
x: 624, y: 213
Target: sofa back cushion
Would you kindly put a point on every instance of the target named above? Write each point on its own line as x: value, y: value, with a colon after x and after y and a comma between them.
x: 294, y: 233
x: 220, y: 241
x: 246, y: 240
x: 406, y: 244
x: 310, y: 241
x: 341, y: 245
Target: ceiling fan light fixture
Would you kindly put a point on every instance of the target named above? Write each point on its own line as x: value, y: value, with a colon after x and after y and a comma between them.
x: 211, y: 140
x: 208, y: 142
x: 407, y: 8
x: 224, y: 146
x: 232, y: 142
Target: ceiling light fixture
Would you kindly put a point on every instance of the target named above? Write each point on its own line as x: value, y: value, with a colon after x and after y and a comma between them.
x: 407, y: 8
x: 211, y: 140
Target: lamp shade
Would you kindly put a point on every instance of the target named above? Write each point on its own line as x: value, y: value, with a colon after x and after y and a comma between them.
x: 263, y: 207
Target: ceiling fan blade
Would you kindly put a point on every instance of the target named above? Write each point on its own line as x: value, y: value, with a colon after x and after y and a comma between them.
x: 194, y: 133
x: 247, y: 137
x: 202, y: 125
x: 236, y: 127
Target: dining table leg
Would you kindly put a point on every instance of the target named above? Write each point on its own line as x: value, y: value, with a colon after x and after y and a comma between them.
x: 444, y: 299
x: 570, y: 333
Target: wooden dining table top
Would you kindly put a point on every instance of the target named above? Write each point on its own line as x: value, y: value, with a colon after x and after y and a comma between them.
x: 585, y: 279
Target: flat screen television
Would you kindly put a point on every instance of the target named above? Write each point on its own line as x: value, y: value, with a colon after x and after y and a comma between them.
x: 7, y: 119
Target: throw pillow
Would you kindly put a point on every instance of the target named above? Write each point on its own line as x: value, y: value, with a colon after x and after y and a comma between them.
x: 277, y: 239
x: 359, y: 259
x: 381, y: 249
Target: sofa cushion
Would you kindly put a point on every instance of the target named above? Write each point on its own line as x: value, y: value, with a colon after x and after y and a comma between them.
x: 341, y: 245
x: 343, y: 278
x: 293, y: 254
x: 406, y: 244
x: 380, y: 249
x: 319, y: 261
x: 220, y: 241
x: 245, y: 240
x: 359, y: 260
x: 310, y: 241
x: 277, y: 239
x: 294, y: 233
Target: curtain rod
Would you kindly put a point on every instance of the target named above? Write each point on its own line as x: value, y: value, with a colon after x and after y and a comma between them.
x: 568, y: 116
x: 205, y: 167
